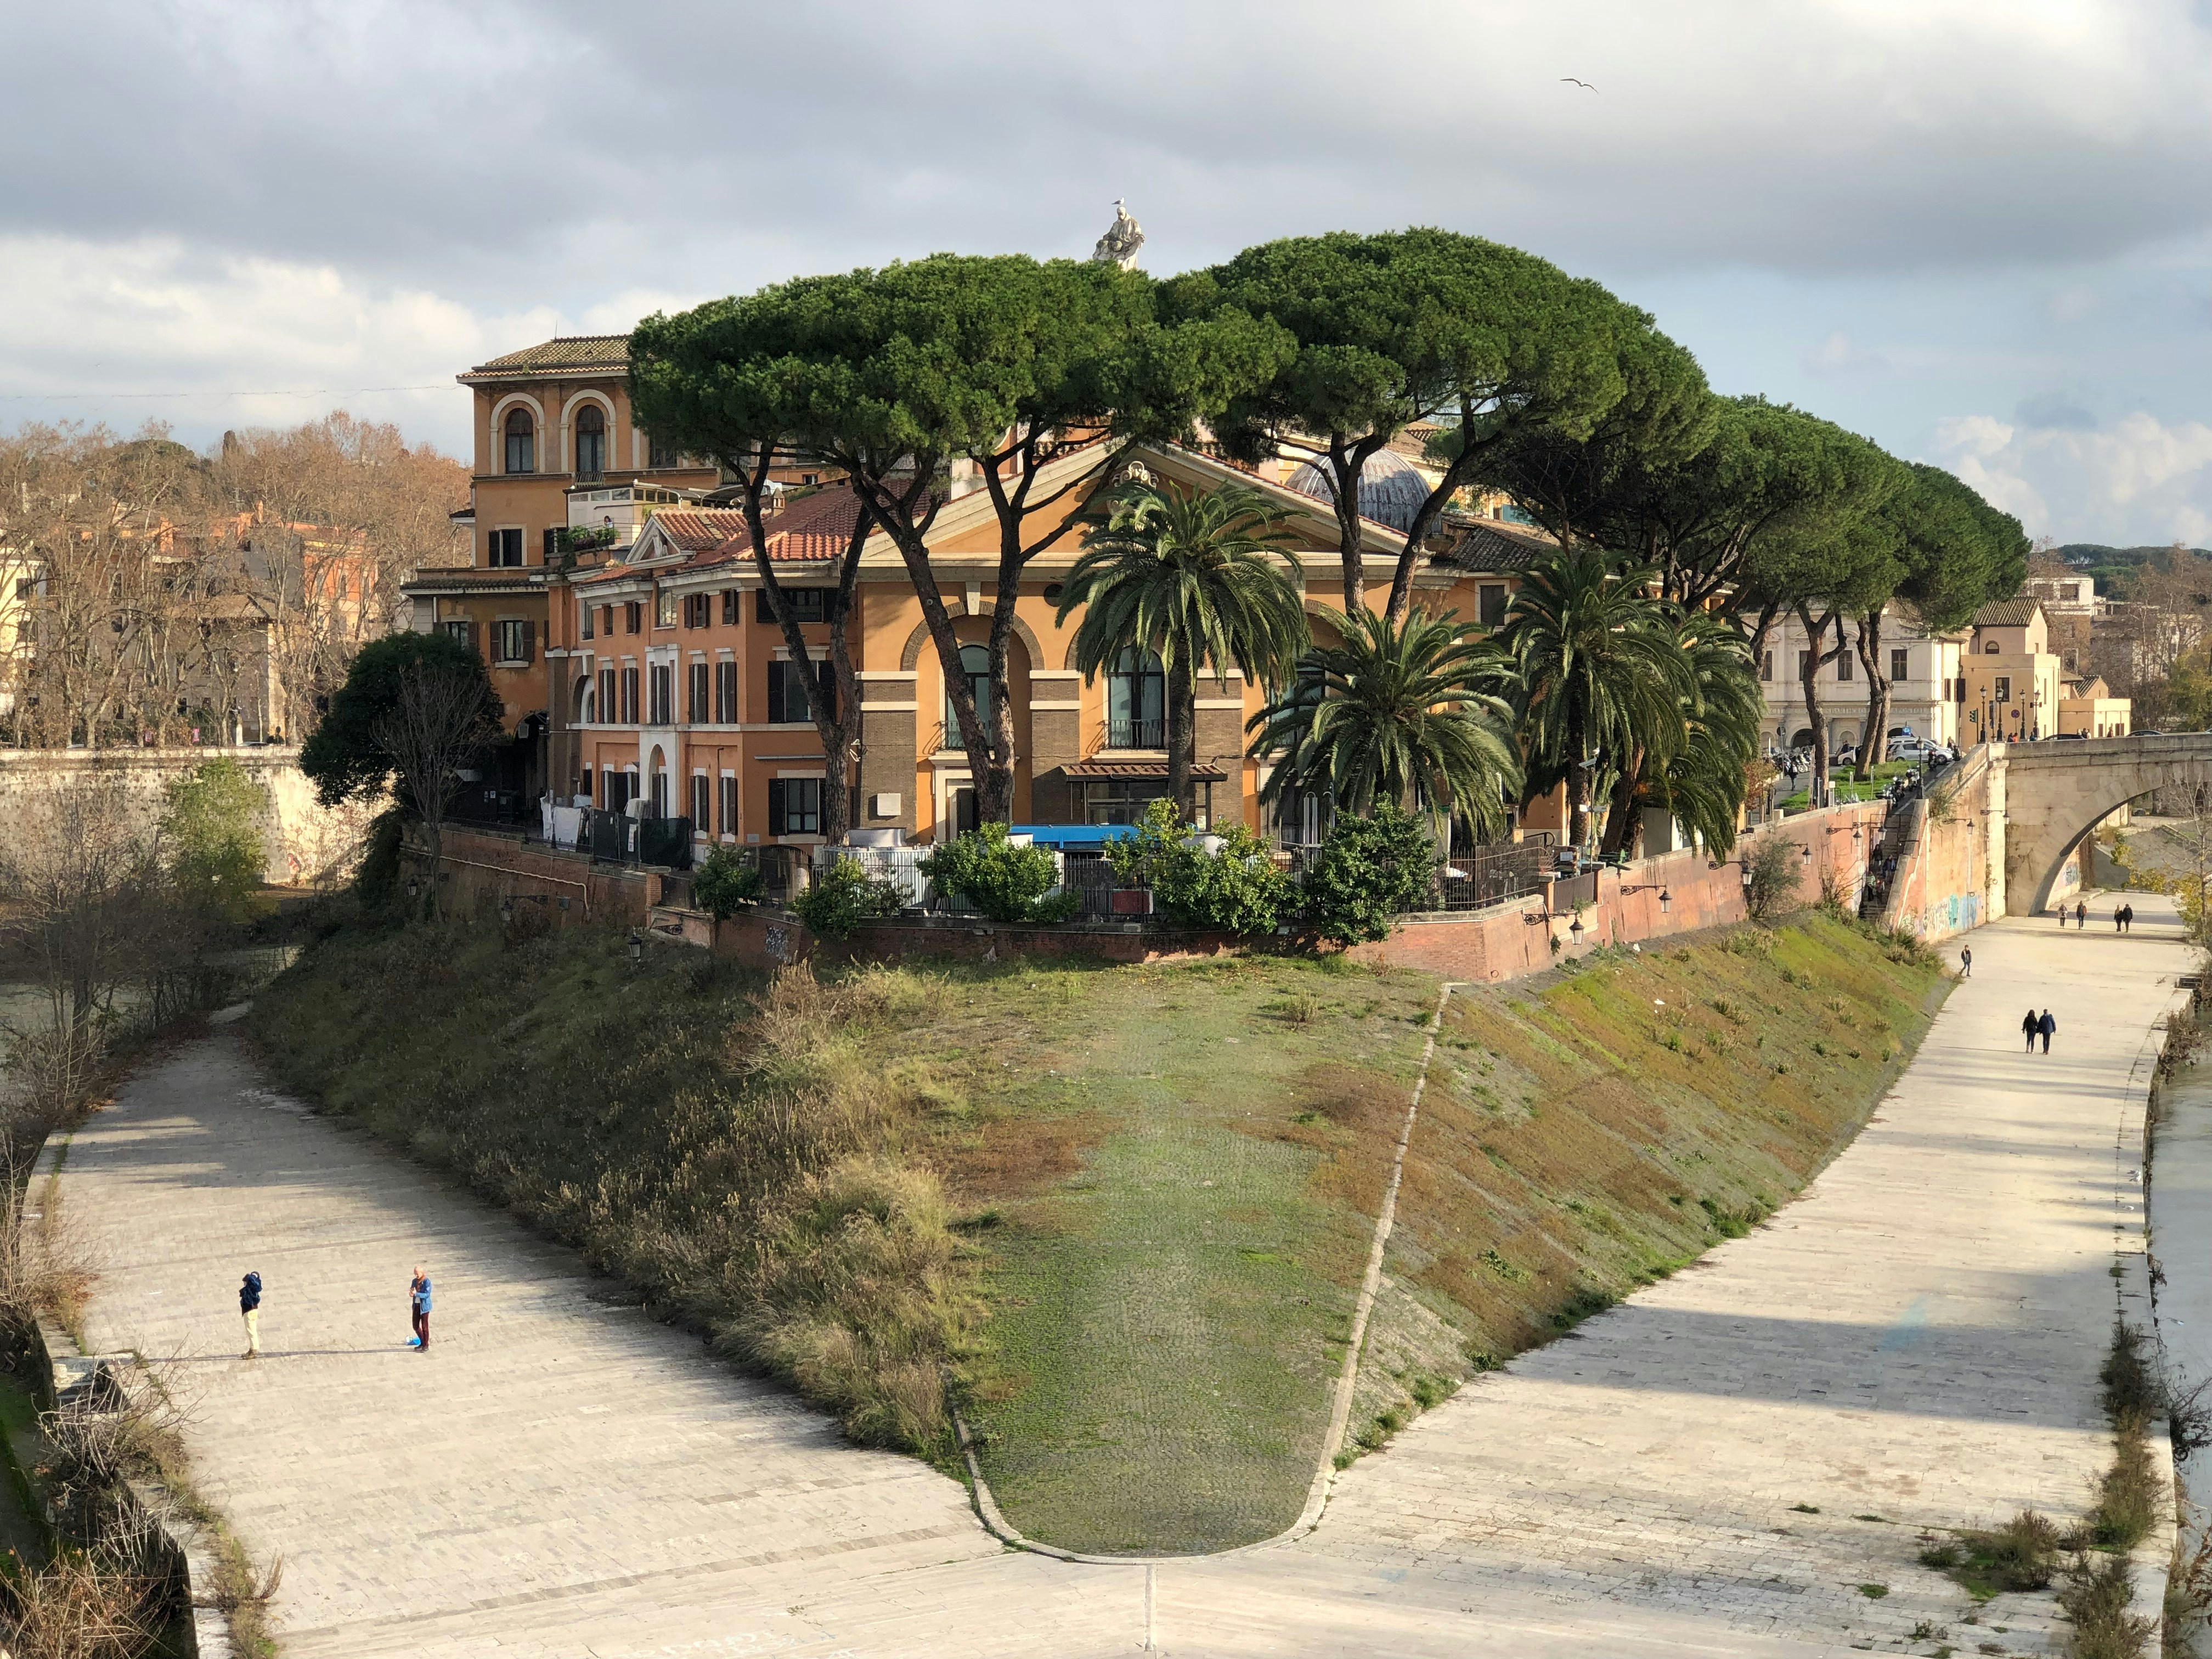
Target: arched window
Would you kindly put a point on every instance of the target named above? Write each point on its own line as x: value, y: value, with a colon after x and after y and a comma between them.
x: 521, y: 441
x: 975, y: 663
x: 590, y: 444
x: 585, y: 700
x: 1993, y: 648
x: 1136, y: 702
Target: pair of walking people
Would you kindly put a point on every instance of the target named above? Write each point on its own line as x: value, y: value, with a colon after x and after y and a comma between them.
x: 2124, y: 919
x: 418, y: 1310
x: 2039, y: 1025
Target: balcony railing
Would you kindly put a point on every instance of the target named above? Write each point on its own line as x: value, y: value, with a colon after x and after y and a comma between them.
x: 1124, y: 734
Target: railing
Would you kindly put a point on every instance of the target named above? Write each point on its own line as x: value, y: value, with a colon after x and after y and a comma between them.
x: 1136, y: 733
x: 1476, y: 880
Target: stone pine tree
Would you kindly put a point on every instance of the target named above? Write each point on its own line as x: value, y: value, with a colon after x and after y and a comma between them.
x: 1412, y: 326
x: 1831, y: 556
x: 998, y: 367
x: 1957, y: 553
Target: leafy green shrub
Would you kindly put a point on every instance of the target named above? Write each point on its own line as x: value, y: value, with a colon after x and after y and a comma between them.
x: 725, y: 882
x: 1003, y: 880
x: 213, y: 829
x: 1369, y: 871
x: 843, y: 897
x: 1238, y: 889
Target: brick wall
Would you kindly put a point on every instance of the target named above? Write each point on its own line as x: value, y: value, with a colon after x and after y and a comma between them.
x: 483, y: 866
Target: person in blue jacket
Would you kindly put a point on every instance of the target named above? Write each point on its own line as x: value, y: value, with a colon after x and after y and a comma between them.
x: 249, y: 1308
x: 418, y: 1297
x: 2046, y: 1026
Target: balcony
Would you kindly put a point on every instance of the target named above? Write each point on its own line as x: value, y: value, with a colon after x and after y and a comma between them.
x: 1127, y: 733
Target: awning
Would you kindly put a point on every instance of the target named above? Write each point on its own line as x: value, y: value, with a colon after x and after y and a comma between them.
x: 1092, y: 771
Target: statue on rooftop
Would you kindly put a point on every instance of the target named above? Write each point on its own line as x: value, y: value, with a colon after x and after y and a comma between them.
x: 1119, y: 246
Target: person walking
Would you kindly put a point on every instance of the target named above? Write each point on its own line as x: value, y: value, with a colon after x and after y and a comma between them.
x: 2031, y: 1025
x: 418, y: 1299
x: 1965, y: 962
x: 2046, y: 1026
x: 249, y: 1308
x: 2128, y: 918
x: 2119, y: 918
x: 2080, y: 916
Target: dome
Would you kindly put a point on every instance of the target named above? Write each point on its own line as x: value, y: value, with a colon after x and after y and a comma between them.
x: 1391, y: 488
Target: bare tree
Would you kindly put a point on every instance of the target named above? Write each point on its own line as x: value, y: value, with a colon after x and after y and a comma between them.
x: 442, y: 719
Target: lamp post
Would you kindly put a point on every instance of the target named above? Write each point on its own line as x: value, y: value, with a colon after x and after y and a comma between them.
x: 1666, y: 898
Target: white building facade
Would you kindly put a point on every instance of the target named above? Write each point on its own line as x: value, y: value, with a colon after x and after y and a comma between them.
x: 1923, y: 671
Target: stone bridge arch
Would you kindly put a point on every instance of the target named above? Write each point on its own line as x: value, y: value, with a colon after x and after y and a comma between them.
x: 2056, y: 793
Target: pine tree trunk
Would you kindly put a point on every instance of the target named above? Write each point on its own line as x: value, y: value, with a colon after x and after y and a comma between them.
x: 1874, y: 742
x: 1182, y: 720
x: 1809, y: 678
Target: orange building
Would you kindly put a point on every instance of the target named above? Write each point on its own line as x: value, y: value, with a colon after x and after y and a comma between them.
x: 677, y: 686
x: 549, y: 421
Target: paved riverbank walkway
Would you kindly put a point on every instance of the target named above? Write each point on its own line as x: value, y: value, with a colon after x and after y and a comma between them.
x: 1916, y: 1338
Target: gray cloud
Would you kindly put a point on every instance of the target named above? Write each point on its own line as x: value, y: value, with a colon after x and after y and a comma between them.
x: 2056, y: 411
x: 571, y: 144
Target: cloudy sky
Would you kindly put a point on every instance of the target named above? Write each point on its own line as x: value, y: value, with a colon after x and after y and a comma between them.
x: 1979, y: 231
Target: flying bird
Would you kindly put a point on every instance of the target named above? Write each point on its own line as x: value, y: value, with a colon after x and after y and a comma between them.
x: 1585, y: 85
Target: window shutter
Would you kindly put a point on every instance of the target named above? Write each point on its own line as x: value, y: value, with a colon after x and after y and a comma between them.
x: 761, y: 613
x: 775, y: 691
x: 729, y: 604
x: 529, y: 642
x: 826, y: 679
x: 776, y: 807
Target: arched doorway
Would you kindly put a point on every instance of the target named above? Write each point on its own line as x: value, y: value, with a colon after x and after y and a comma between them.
x: 657, y: 784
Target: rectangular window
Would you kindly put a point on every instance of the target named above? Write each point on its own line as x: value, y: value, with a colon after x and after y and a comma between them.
x: 629, y: 696
x: 1489, y: 600
x: 725, y: 694
x: 505, y: 549
x: 729, y: 606
x: 664, y: 609
x: 660, y: 453
x: 786, y: 690
x: 1766, y: 664
x: 2001, y: 687
x: 1844, y: 666
x: 663, y: 688
x: 698, y: 610
x: 701, y: 799
x: 794, y: 806
x: 586, y: 615
x: 1804, y: 663
x: 515, y: 642
x: 801, y: 604
x: 605, y: 711
x: 701, y: 695
x: 633, y: 616
x: 729, y: 806
x: 1899, y: 664
x: 462, y: 632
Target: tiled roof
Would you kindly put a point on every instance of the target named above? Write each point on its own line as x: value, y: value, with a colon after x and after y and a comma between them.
x: 697, y: 529
x: 564, y: 354
x: 1492, y: 546
x: 2007, y: 613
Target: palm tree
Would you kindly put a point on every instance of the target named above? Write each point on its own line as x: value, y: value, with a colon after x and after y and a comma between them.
x: 1198, y: 579
x: 1406, y: 713
x: 1703, y: 783
x: 1602, y: 676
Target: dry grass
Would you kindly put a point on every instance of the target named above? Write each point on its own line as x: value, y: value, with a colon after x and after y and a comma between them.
x: 81, y: 1607
x: 2095, y: 1597
x: 733, y: 1146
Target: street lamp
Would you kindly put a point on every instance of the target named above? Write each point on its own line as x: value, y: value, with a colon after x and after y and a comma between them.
x: 1666, y: 898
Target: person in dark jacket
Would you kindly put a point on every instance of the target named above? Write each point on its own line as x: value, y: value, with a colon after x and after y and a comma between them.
x: 2031, y: 1025
x: 2046, y: 1026
x: 2127, y: 918
x: 249, y: 1308
x: 2081, y: 917
x: 418, y: 1298
x: 1965, y: 962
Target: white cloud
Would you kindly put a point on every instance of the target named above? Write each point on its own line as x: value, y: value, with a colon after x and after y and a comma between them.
x: 146, y: 329
x: 2139, y: 482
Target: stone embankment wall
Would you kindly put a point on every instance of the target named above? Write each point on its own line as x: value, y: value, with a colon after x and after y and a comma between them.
x: 305, y: 840
x: 1950, y: 868
x: 1505, y: 941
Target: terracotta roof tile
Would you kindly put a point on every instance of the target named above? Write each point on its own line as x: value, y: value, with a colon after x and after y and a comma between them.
x: 1492, y: 546
x: 565, y: 352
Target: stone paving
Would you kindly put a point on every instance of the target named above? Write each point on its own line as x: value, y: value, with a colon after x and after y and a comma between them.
x: 1915, y: 1338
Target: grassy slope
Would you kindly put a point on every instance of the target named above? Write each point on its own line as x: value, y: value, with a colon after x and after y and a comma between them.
x: 1166, y: 1175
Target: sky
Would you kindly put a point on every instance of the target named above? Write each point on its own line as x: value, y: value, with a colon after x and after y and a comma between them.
x: 1979, y: 231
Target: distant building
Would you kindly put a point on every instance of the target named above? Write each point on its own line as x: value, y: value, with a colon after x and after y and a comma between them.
x: 1923, y: 670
